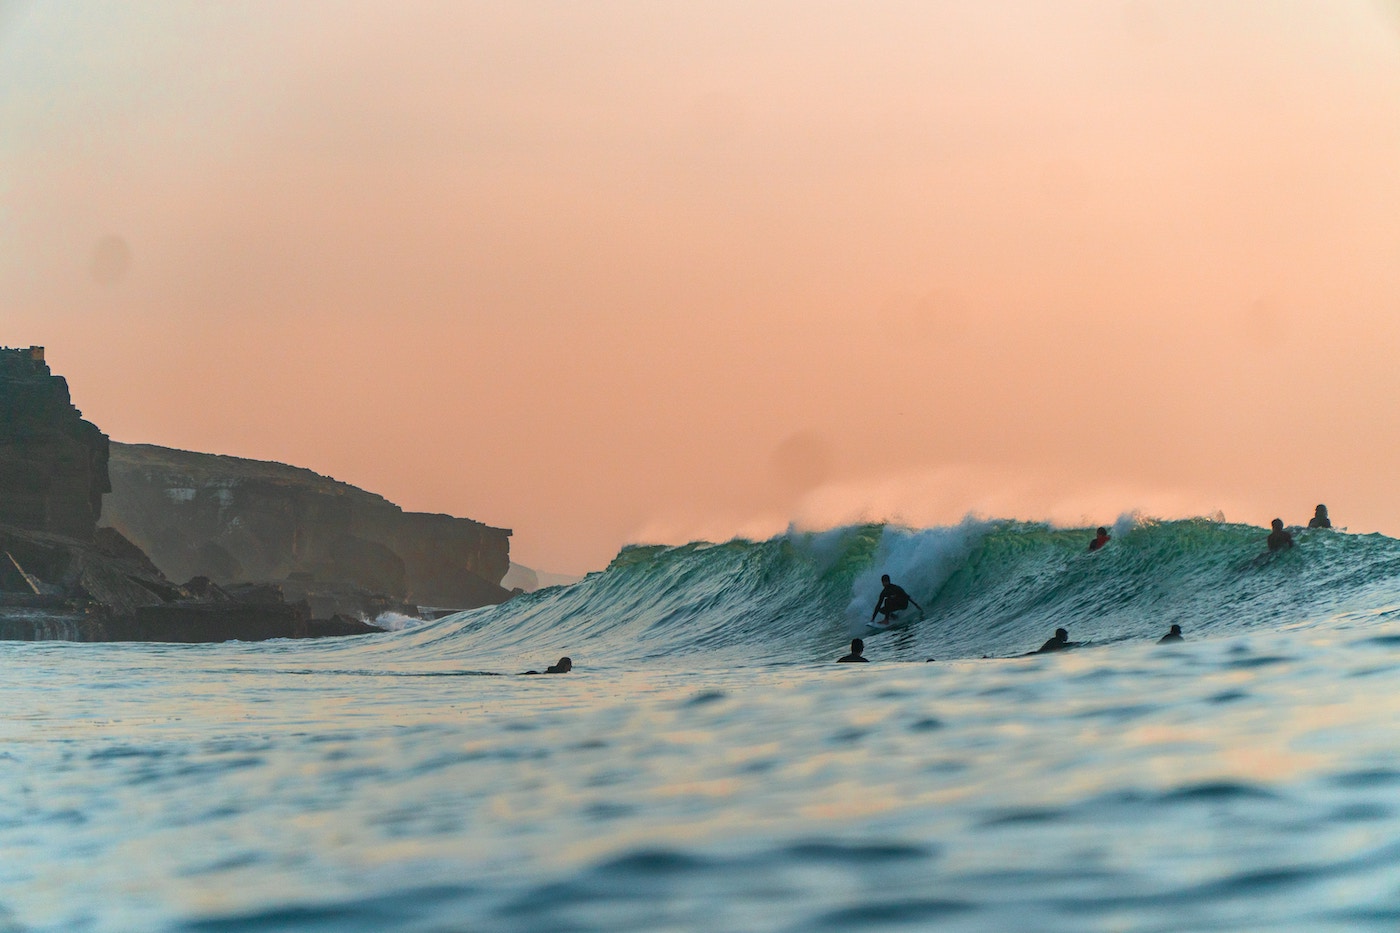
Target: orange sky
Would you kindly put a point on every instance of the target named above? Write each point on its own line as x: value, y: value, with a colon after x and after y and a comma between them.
x: 604, y: 272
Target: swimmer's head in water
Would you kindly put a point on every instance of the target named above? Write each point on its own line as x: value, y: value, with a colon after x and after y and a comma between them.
x: 1176, y: 629
x: 857, y: 645
x: 885, y: 578
x: 1278, y: 524
x: 1061, y: 634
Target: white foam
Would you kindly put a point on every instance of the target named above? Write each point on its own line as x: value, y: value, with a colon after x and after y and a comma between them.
x: 397, y: 621
x: 920, y: 560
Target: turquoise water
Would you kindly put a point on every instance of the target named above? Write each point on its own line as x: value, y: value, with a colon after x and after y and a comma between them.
x: 706, y: 766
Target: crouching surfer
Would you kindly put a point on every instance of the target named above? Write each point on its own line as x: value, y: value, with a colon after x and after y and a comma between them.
x: 892, y: 599
x: 563, y: 666
x: 857, y: 653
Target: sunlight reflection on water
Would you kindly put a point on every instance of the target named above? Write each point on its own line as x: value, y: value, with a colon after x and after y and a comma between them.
x: 1219, y: 785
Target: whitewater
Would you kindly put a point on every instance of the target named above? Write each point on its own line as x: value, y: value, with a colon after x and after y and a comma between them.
x: 707, y: 766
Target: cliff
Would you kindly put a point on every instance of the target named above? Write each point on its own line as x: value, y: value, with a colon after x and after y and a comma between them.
x: 54, y: 587
x: 231, y: 519
x: 61, y: 577
x: 53, y: 464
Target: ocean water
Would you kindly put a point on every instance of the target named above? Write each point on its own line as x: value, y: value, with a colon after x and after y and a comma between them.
x: 707, y: 767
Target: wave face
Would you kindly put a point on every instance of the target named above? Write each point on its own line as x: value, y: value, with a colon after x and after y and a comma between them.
x: 992, y: 588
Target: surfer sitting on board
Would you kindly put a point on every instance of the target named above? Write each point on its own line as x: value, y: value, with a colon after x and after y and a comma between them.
x: 1279, y: 540
x: 892, y: 599
x: 1320, y: 519
x: 857, y: 652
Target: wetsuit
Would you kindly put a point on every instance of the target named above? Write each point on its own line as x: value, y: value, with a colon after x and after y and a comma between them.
x: 853, y: 658
x: 1170, y: 637
x: 1058, y: 643
x: 1280, y: 540
x: 1098, y: 542
x: 892, y: 599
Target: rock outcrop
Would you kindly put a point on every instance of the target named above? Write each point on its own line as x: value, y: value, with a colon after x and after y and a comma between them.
x: 231, y: 519
x: 61, y: 577
x: 53, y: 587
x: 53, y: 464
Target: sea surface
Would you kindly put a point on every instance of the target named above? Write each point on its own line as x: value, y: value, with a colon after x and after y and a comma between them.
x: 707, y: 767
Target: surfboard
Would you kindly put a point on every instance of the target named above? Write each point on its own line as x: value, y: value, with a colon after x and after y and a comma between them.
x: 900, y: 621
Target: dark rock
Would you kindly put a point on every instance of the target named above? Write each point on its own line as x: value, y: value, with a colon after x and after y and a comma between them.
x: 203, y: 622
x: 340, y: 625
x: 262, y: 594
x: 206, y: 589
x: 111, y: 543
x: 53, y: 464
x: 60, y: 578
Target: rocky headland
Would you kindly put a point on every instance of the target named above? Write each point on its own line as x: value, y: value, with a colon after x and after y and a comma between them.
x: 92, y: 534
x: 232, y: 519
x: 53, y: 464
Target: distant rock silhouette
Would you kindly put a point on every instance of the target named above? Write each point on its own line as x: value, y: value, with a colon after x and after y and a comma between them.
x: 231, y: 519
x: 53, y: 464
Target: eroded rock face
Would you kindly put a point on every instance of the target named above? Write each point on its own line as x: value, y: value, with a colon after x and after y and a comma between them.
x: 63, y: 578
x: 232, y: 519
x: 53, y: 464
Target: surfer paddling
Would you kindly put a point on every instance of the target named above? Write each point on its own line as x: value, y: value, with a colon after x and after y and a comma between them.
x: 892, y: 600
x: 1059, y: 642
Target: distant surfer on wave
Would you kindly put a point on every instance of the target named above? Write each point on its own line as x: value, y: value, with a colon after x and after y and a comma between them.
x: 892, y: 599
x: 1320, y: 519
x: 857, y: 653
x: 1279, y: 540
x: 563, y: 666
x: 1099, y: 541
x: 1172, y: 636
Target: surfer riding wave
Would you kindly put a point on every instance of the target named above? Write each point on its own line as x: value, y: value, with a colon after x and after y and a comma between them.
x: 892, y: 599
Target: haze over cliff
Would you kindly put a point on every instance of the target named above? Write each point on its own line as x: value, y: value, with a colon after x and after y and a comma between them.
x: 231, y: 519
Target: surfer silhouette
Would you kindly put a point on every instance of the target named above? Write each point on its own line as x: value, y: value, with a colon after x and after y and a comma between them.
x: 1172, y: 636
x: 1279, y: 540
x: 1059, y: 642
x: 1320, y: 519
x: 562, y: 666
x: 1100, y: 540
x: 892, y: 599
x: 857, y: 652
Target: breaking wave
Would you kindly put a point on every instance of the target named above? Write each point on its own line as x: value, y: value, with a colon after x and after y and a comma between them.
x: 988, y: 588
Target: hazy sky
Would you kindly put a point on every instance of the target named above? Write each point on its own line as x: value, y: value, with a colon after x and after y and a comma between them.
x: 604, y: 272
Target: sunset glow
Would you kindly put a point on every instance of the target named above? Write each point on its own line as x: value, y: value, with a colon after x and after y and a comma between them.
x: 609, y: 272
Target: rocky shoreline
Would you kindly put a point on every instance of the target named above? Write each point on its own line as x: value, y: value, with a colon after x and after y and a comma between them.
x: 269, y: 550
